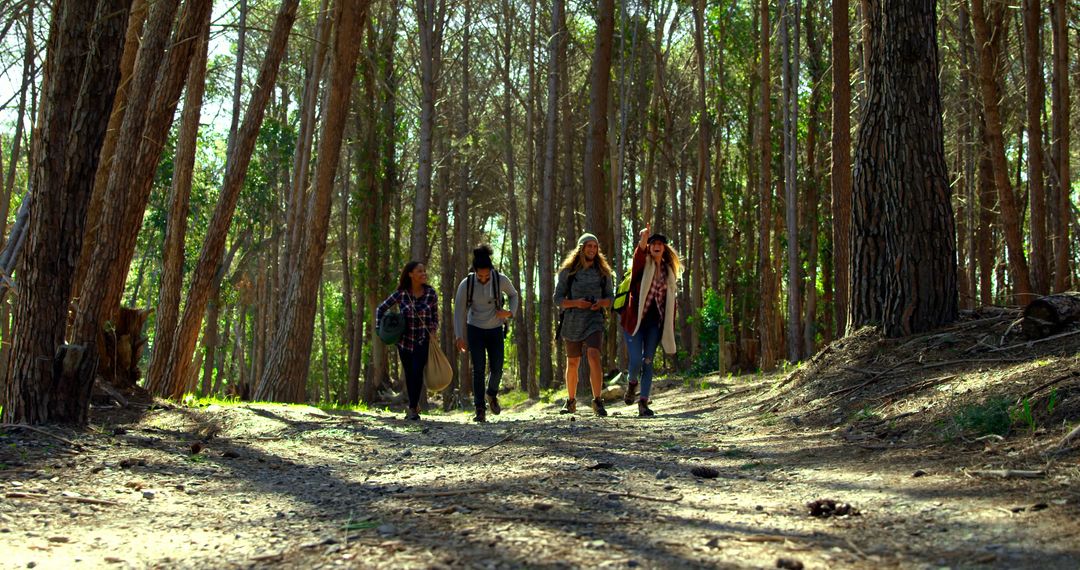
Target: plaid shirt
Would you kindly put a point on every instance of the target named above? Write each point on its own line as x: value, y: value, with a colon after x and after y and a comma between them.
x: 421, y: 315
x: 657, y: 291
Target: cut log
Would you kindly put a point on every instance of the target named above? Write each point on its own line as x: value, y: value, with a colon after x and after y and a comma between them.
x: 1049, y: 315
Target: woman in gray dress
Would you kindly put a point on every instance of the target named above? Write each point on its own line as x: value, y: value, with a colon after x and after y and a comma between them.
x: 583, y: 291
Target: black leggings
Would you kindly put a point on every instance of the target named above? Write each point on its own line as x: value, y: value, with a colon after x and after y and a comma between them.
x: 414, y: 361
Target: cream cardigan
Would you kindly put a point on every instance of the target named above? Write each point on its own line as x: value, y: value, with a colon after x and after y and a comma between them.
x: 667, y: 328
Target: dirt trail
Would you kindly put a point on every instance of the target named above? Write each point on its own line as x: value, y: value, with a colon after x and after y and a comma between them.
x: 296, y: 487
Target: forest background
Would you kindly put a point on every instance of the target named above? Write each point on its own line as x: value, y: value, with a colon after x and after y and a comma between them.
x: 257, y: 172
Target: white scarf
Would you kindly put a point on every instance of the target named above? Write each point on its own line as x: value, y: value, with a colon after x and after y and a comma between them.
x: 667, y: 327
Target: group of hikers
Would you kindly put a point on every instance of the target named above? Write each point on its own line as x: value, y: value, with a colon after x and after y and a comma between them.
x: 584, y: 291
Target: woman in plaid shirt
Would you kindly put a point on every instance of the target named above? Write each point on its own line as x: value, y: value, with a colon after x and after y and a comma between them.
x: 649, y: 318
x: 419, y: 306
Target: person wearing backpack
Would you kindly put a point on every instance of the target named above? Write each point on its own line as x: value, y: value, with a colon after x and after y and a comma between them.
x: 583, y: 291
x: 419, y: 305
x: 648, y: 318
x: 480, y: 326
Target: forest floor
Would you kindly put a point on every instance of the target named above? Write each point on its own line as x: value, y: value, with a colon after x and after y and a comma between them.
x: 944, y: 450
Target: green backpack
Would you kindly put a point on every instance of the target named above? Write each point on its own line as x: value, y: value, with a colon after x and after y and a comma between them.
x: 622, y: 294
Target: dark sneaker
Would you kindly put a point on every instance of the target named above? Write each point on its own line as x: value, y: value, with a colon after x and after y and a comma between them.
x: 570, y: 407
x: 481, y: 416
x: 412, y: 414
x: 598, y: 407
x: 493, y: 401
x: 631, y: 393
x: 643, y: 410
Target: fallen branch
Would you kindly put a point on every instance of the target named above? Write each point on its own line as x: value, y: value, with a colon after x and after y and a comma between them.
x: 1033, y: 391
x: 916, y: 387
x: 1011, y: 473
x: 1072, y: 434
x: 24, y: 496
x: 85, y: 500
x: 873, y: 378
x: 565, y: 520
x: 42, y: 432
x: 442, y: 493
x: 501, y: 441
x: 637, y: 496
x: 723, y: 397
x: 92, y: 501
x: 960, y: 361
x: 1032, y: 342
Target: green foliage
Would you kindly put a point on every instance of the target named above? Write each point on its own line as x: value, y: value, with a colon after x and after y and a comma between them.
x: 710, y: 320
x: 546, y: 396
x: 987, y: 418
x: 513, y: 398
x: 1021, y: 413
x: 1051, y: 402
x: 196, y: 401
x: 866, y: 414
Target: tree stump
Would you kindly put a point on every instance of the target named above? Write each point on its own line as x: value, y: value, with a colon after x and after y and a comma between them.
x: 73, y: 370
x: 1049, y: 315
x: 120, y: 347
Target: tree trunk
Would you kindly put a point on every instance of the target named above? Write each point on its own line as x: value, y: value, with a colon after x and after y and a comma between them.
x: 841, y: 163
x: 172, y: 273
x: 595, y: 175
x: 1049, y: 315
x: 920, y: 239
x: 210, y: 258
x: 287, y: 365
x: 817, y: 68
x: 430, y: 16
x: 29, y: 56
x: 136, y: 22
x: 520, y: 326
x: 1061, y: 134
x: 987, y: 33
x: 767, y: 308
x: 1036, y: 101
x: 987, y: 207
x: 869, y: 263
x: 790, y: 63
x: 379, y: 232
x: 48, y: 381
x: 701, y: 181
x: 295, y: 211
x: 529, y: 314
x: 546, y: 222
x: 158, y: 79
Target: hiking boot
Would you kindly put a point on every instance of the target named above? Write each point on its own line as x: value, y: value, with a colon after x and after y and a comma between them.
x: 570, y: 407
x: 493, y: 401
x: 631, y: 392
x: 481, y: 416
x: 643, y: 410
x: 598, y: 407
x: 412, y: 414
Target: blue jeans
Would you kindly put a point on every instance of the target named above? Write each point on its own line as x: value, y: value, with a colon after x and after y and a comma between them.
x: 641, y: 348
x: 485, y: 343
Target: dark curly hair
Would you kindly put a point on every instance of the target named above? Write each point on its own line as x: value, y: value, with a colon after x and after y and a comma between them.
x: 481, y: 257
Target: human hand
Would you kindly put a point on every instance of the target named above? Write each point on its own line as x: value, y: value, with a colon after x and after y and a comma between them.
x: 460, y: 344
x: 503, y: 314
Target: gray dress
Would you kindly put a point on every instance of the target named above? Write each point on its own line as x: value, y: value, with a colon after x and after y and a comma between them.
x: 578, y: 324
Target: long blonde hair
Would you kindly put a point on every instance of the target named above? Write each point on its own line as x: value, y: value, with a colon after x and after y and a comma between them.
x: 671, y: 259
x: 576, y: 260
